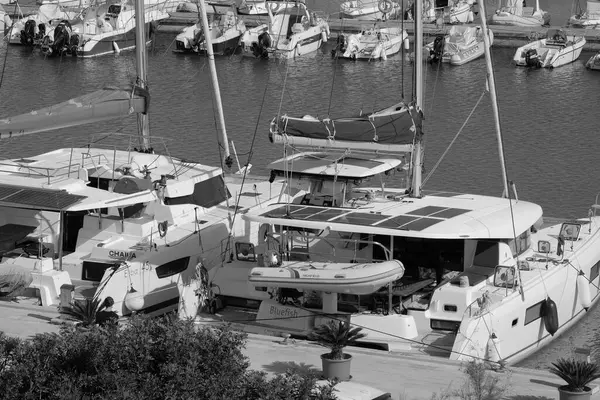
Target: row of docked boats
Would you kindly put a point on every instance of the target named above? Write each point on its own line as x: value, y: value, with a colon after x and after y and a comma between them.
x: 482, y: 277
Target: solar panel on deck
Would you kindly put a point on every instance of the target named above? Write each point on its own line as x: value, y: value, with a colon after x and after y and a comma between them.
x: 420, y: 224
x: 442, y: 194
x: 280, y: 212
x: 428, y: 210
x: 38, y: 198
x: 326, y: 215
x: 365, y: 219
x: 450, y: 213
x: 396, y: 222
x: 305, y: 212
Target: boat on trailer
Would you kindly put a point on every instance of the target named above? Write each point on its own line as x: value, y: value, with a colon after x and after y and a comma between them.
x: 485, y: 278
x: 556, y: 49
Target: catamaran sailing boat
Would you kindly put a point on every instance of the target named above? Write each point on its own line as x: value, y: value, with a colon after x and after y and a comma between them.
x: 590, y: 18
x: 225, y: 29
x: 103, y: 29
x: 513, y: 13
x: 291, y: 32
x: 128, y: 224
x: 483, y: 277
x: 556, y: 49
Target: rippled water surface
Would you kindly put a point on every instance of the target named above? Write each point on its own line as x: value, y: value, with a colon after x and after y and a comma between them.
x: 549, y: 117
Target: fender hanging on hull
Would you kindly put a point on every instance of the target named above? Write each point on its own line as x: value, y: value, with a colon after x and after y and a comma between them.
x: 550, y: 316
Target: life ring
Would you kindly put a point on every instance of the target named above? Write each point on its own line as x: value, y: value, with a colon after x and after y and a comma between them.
x: 385, y: 6
x: 162, y: 228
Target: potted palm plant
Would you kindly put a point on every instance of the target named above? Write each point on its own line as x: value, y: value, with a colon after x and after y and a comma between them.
x: 336, y: 335
x: 577, y: 374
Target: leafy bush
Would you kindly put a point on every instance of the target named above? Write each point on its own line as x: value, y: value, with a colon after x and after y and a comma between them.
x: 336, y: 335
x: 576, y: 373
x: 147, y: 359
x: 478, y: 384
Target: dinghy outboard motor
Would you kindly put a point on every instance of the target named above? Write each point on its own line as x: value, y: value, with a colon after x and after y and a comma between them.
x: 435, y: 54
x: 41, y: 31
x: 532, y: 58
x: 62, y: 38
x: 74, y: 44
x: 28, y: 33
x: 260, y: 49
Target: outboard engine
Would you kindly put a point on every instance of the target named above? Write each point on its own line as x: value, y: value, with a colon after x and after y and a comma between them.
x: 532, y: 58
x: 41, y: 31
x: 260, y: 49
x: 62, y: 38
x: 28, y: 33
x: 435, y: 54
x: 74, y: 44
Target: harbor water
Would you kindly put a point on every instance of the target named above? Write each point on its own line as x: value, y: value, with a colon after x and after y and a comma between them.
x: 549, y: 118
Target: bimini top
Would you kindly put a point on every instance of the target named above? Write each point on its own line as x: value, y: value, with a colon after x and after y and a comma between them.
x: 439, y: 215
x: 330, y: 165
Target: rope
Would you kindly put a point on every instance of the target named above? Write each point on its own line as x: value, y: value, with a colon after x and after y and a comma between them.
x: 453, y: 140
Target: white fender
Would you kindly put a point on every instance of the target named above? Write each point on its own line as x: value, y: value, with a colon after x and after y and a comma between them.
x: 297, y: 49
x: 406, y: 44
x: 116, y: 48
x: 324, y: 36
x: 383, y: 55
x: 492, y: 351
x: 470, y: 17
x: 583, y: 291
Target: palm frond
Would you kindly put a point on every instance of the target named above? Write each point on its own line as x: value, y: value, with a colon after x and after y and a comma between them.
x: 84, y: 311
x: 336, y: 335
x: 577, y: 374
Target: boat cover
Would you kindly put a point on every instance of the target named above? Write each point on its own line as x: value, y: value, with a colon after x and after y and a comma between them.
x: 100, y: 105
x: 394, y: 125
x: 462, y: 34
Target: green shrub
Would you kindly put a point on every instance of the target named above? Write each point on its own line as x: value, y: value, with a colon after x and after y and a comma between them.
x: 146, y: 359
x: 576, y: 373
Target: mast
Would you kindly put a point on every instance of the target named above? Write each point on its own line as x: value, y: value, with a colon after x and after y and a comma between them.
x: 215, y: 81
x: 417, y: 151
x: 141, y: 67
x: 492, y: 89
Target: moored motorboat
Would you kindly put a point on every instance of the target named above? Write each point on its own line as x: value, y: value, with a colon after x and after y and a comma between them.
x: 461, y: 45
x: 594, y: 62
x: 291, y: 32
x: 555, y: 50
x: 259, y: 7
x: 514, y: 13
x: 371, y: 44
x: 370, y: 10
x: 102, y: 29
x: 355, y: 278
x: 449, y: 12
x: 225, y: 28
x: 30, y: 30
x: 588, y: 18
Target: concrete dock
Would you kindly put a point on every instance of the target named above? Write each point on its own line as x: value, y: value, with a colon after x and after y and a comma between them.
x: 406, y: 377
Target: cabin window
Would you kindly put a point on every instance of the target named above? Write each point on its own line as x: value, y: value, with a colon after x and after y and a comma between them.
x: 594, y: 271
x: 450, y: 308
x: 521, y: 244
x: 207, y: 193
x: 534, y: 312
x: 486, y: 254
x: 515, y: 321
x: 172, y: 267
x: 504, y: 277
x: 245, y: 252
x: 94, y: 271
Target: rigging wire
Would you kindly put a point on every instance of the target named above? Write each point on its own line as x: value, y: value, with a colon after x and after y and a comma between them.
x: 6, y: 52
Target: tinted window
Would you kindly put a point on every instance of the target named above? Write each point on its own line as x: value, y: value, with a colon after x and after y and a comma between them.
x: 206, y: 194
x: 594, y: 271
x: 533, y: 313
x: 486, y: 254
x: 172, y: 267
x: 93, y: 271
x: 245, y: 252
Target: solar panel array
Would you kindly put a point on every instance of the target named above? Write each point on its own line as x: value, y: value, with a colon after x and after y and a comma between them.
x: 43, y: 199
x: 415, y: 220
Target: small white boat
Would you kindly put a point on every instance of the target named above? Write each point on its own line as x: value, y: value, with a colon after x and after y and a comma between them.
x: 103, y: 29
x: 259, y: 8
x: 371, y: 44
x: 461, y: 45
x: 590, y: 18
x: 594, y: 62
x: 513, y: 13
x: 370, y: 10
x: 449, y: 12
x: 555, y: 50
x: 291, y: 32
x: 30, y: 30
x: 224, y: 27
x: 364, y: 278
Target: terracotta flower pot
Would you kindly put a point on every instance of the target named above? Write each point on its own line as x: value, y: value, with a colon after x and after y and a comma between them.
x: 339, y: 369
x: 565, y: 394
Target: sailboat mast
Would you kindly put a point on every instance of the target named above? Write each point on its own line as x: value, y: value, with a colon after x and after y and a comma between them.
x: 492, y: 88
x: 417, y: 151
x: 141, y: 66
x: 215, y: 80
